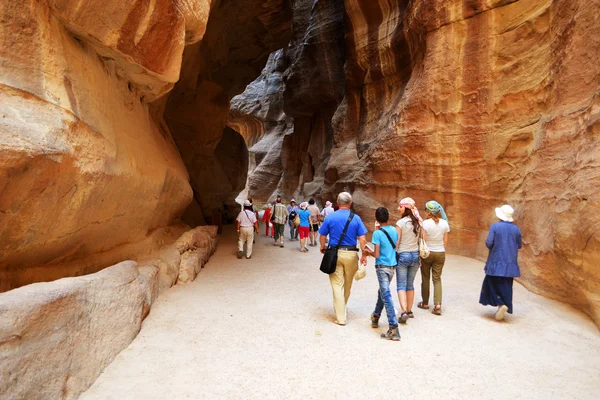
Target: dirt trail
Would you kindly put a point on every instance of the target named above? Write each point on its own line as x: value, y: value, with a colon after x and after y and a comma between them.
x: 263, y: 329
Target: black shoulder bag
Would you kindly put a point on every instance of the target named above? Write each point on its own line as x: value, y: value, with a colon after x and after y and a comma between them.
x: 330, y: 257
x: 391, y: 242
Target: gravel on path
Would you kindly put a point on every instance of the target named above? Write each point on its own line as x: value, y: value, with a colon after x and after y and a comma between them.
x: 263, y: 329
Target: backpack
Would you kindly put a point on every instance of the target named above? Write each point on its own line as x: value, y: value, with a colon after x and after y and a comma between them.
x: 292, y: 215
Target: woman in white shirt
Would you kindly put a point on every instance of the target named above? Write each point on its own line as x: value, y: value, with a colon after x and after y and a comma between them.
x: 435, y: 233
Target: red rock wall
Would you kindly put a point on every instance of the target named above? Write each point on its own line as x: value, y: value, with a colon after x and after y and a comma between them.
x: 501, y: 105
x: 85, y: 168
x: 97, y: 140
x: 471, y: 103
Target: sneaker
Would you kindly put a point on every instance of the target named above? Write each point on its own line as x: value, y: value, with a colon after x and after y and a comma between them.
x: 249, y: 257
x: 403, y: 318
x: 392, y: 334
x: 281, y: 245
x: 374, y: 321
x: 501, y: 312
x: 240, y: 254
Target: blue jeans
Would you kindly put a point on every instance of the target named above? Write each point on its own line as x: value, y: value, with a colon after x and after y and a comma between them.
x: 384, y: 296
x: 408, y: 265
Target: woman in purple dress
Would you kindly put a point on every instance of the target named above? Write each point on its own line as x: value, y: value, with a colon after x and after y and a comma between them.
x: 504, y: 242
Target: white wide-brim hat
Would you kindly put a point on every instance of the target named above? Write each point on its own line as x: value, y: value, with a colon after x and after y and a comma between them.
x: 505, y: 213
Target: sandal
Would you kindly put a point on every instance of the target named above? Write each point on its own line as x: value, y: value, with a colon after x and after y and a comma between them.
x: 423, y: 306
x: 410, y: 314
x: 437, y: 309
x: 403, y: 318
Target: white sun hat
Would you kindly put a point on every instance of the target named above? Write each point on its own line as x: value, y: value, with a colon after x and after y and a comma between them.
x: 505, y: 213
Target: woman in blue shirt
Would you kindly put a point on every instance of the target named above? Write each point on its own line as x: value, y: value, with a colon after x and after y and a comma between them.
x: 504, y: 242
x: 385, y: 240
x: 304, y: 228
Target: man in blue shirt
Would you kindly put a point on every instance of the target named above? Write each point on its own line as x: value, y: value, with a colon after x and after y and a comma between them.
x: 347, y: 262
x: 385, y: 240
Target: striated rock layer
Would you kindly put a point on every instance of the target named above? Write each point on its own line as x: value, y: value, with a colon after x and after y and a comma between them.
x: 471, y: 103
x: 90, y: 172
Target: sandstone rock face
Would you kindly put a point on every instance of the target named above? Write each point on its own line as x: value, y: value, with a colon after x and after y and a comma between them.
x: 231, y: 54
x: 92, y: 319
x: 90, y: 173
x: 471, y: 103
x: 257, y: 114
x: 57, y: 337
x: 85, y: 167
x: 285, y: 114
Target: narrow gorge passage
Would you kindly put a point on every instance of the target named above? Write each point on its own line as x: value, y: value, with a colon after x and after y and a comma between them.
x: 132, y: 130
x: 262, y: 329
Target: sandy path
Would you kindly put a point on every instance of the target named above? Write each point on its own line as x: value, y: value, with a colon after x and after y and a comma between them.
x: 262, y: 329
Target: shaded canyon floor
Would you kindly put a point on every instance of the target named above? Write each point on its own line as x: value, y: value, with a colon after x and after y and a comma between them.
x: 263, y: 329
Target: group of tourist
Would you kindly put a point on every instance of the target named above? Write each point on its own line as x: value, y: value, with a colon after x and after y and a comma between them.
x: 303, y: 220
x: 400, y: 249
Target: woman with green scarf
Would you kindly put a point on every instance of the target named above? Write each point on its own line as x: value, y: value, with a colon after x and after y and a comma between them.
x: 435, y: 234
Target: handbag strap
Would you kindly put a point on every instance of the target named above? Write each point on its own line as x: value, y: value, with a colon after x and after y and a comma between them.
x: 247, y: 217
x: 389, y: 237
x: 345, y: 229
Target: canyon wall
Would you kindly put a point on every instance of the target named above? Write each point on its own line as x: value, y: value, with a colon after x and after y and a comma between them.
x: 239, y: 38
x: 472, y: 103
x: 109, y: 110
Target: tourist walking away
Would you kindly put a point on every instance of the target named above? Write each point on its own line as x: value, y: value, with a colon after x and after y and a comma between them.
x: 501, y: 267
x: 266, y: 218
x: 292, y: 212
x: 314, y: 221
x: 247, y: 224
x: 435, y: 233
x: 385, y: 241
x: 347, y: 255
x: 304, y: 228
x: 408, y: 257
x: 280, y: 218
x: 327, y: 210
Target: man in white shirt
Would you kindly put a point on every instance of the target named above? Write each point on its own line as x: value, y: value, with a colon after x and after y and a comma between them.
x: 247, y: 224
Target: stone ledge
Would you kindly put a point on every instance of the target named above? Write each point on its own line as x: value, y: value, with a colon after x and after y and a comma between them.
x: 57, y: 337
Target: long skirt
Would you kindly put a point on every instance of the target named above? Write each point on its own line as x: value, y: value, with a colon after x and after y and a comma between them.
x: 497, y: 291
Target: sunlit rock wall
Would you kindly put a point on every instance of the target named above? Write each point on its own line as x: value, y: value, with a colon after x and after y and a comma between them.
x: 85, y: 166
x: 471, y: 103
x: 497, y: 101
x: 109, y: 110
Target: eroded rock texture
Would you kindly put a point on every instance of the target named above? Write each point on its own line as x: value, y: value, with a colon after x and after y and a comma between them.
x: 285, y: 114
x: 239, y: 38
x: 90, y: 172
x: 471, y: 103
x: 57, y: 337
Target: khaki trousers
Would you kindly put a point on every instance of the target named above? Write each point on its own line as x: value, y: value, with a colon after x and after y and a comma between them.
x: 341, y: 282
x: 432, y: 265
x: 246, y: 236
